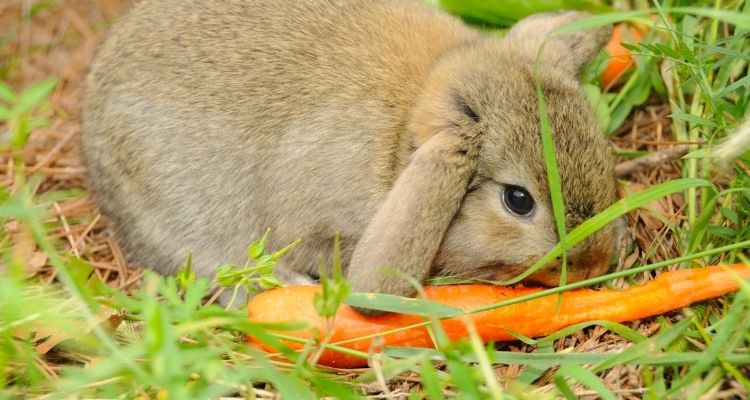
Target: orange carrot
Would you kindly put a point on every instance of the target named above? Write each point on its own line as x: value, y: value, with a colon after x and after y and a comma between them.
x: 533, y: 318
x: 620, y: 59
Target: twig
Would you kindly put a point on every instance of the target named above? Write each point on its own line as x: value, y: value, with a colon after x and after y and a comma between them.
x: 133, y: 279
x: 88, y: 230
x: 66, y: 228
x: 55, y: 151
x: 658, y: 157
x: 376, y: 359
x: 119, y: 259
x: 216, y: 295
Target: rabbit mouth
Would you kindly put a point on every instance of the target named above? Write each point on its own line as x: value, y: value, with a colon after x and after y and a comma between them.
x: 590, y: 259
x: 578, y: 269
x: 590, y: 266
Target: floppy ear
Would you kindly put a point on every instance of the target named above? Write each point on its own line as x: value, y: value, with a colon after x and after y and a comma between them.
x: 405, y: 233
x: 569, y: 51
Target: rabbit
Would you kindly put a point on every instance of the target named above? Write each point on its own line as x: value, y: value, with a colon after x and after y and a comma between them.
x: 413, y: 135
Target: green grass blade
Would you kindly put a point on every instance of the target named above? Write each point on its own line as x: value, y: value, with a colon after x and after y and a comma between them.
x: 586, y: 377
x: 614, y: 327
x: 646, y: 347
x: 546, y: 360
x: 738, y: 19
x: 550, y: 161
x: 392, y: 303
x: 430, y: 381
x: 728, y: 325
x: 565, y: 390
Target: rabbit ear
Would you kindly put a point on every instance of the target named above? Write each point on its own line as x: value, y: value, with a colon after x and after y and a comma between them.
x: 405, y: 233
x: 570, y: 51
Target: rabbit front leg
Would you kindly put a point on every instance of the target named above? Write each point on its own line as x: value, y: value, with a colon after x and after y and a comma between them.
x: 404, y: 235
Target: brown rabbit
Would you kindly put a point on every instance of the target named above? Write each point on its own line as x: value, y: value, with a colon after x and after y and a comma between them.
x: 392, y: 122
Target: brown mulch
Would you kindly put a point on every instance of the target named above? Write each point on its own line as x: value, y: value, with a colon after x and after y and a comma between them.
x: 60, y: 41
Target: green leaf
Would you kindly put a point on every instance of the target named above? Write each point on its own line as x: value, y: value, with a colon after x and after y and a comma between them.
x: 640, y: 89
x: 461, y: 374
x: 697, y: 154
x: 34, y: 95
x: 534, y: 371
x: 337, y: 390
x: 334, y: 289
x: 5, y: 114
x: 269, y: 282
x: 722, y: 232
x: 505, y: 12
x: 693, y: 119
x: 700, y: 226
x: 257, y: 248
x: 195, y: 292
x: 36, y: 123
x: 7, y: 93
x: 186, y: 276
x: 730, y: 214
x: 20, y: 132
x: 734, y: 87
x: 229, y: 275
x: 618, y: 117
x: 14, y: 207
x: 280, y: 253
x: 601, y: 110
x: 80, y: 271
x: 288, y: 385
x: 159, y: 341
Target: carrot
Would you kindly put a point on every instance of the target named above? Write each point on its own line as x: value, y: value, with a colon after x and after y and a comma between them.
x: 533, y: 318
x: 620, y: 58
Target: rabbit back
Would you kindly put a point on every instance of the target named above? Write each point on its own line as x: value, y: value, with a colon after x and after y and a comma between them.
x: 207, y: 121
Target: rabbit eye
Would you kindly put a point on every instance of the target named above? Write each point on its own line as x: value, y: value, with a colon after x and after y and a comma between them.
x: 518, y: 200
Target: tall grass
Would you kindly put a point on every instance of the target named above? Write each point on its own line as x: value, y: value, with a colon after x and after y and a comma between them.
x: 80, y: 338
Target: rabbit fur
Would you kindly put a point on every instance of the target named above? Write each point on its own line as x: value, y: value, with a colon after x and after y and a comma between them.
x: 388, y: 121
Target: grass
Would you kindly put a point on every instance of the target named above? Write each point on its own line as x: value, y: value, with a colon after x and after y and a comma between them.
x: 75, y: 323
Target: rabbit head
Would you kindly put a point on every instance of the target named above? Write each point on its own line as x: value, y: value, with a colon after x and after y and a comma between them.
x: 479, y: 160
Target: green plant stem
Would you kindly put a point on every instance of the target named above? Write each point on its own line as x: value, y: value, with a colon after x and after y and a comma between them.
x: 235, y: 290
x: 332, y: 346
x: 694, y: 134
